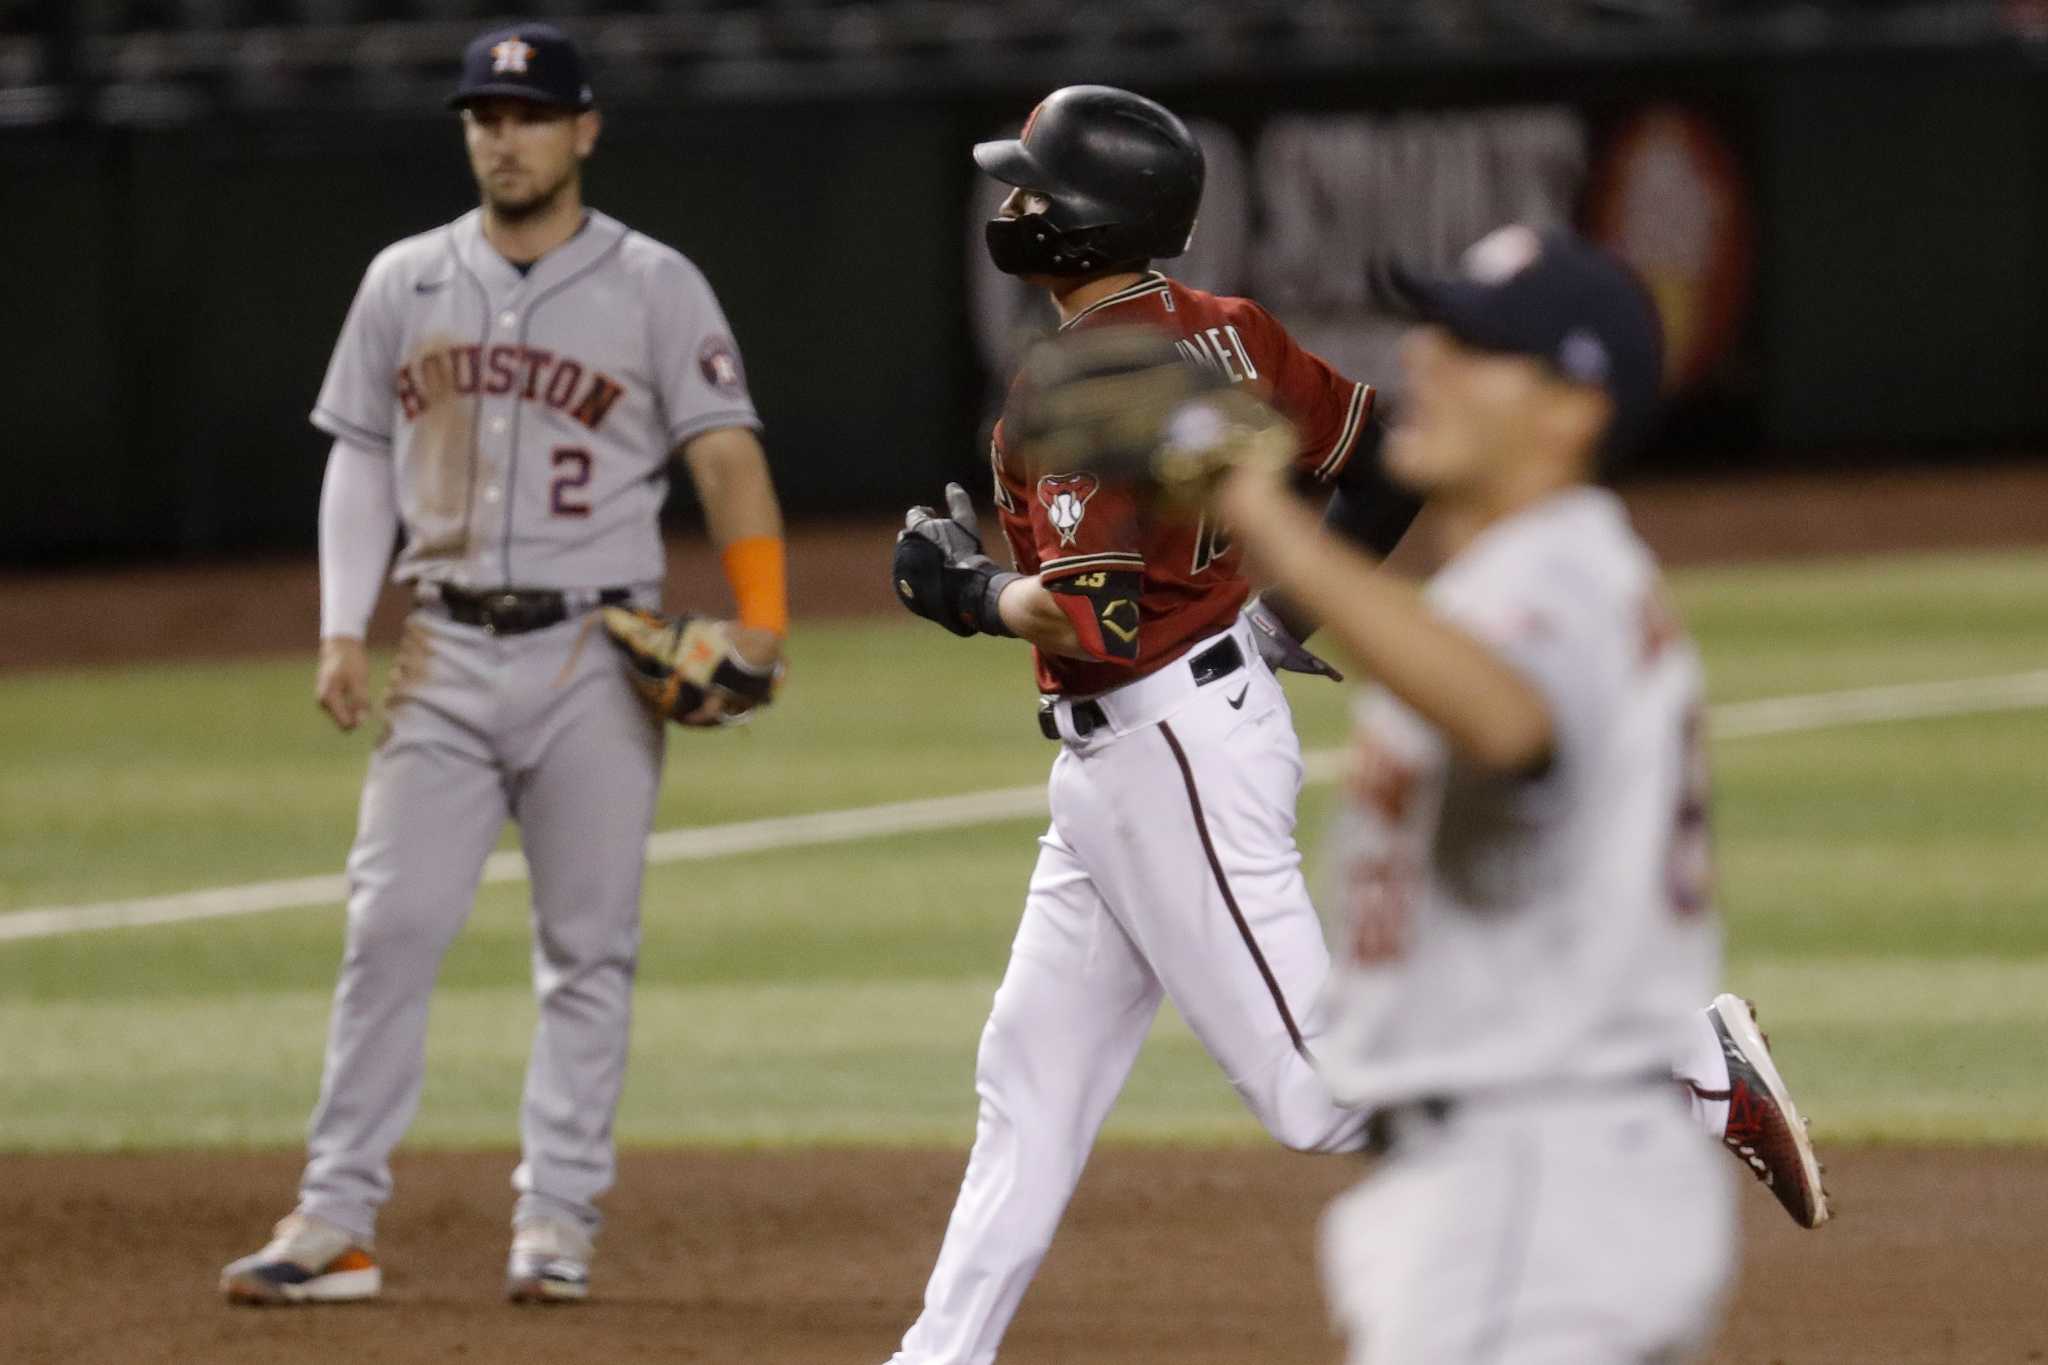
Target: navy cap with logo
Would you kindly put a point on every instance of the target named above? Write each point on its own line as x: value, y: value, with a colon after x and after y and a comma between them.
x: 527, y: 62
x: 1554, y: 296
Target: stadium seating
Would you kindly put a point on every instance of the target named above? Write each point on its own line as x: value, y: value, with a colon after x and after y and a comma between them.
x: 215, y: 52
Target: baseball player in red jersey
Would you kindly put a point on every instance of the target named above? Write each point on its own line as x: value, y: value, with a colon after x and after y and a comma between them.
x: 1170, y: 868
x: 1138, y: 590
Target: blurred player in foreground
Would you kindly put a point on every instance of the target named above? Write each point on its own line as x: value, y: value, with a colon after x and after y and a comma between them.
x: 1522, y: 865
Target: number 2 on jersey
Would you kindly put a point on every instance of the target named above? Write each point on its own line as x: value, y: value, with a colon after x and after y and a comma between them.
x: 572, y: 474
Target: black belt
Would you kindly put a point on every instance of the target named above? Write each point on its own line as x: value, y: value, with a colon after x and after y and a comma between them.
x: 1381, y: 1127
x: 515, y: 611
x: 1219, y: 660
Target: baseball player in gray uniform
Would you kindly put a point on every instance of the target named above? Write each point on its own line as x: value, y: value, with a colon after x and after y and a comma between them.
x: 1522, y: 867
x: 508, y: 391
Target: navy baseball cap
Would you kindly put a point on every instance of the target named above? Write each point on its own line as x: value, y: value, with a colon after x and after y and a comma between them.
x: 1554, y: 296
x: 526, y: 62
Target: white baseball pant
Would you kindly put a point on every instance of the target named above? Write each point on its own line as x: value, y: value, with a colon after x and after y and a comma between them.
x: 1551, y: 1229
x: 1170, y: 871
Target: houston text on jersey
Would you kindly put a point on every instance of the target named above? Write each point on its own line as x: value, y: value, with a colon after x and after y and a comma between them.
x: 539, y: 376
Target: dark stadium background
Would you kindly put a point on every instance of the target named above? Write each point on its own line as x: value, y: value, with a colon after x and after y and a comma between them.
x: 192, y: 188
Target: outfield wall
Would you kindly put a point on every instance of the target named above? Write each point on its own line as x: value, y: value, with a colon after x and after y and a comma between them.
x: 1857, y: 248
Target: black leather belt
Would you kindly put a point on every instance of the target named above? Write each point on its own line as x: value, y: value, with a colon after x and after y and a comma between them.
x: 1219, y: 660
x: 515, y: 611
x: 1382, y: 1128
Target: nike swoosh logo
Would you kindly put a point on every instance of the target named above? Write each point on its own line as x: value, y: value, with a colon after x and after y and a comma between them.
x: 1237, y: 702
x: 427, y: 286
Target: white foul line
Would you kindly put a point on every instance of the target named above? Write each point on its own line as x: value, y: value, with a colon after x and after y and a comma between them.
x: 1862, y: 705
x: 1734, y: 720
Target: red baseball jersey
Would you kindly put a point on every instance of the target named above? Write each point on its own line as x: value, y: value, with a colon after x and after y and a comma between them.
x: 1140, y: 589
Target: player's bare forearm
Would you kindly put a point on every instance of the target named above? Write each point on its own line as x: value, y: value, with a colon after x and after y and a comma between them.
x: 1488, y: 712
x: 1367, y: 512
x: 1293, y: 617
x: 1029, y: 609
x: 730, y: 471
x: 1364, y: 511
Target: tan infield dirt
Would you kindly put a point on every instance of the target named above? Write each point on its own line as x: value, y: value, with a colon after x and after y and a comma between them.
x: 1171, y: 1255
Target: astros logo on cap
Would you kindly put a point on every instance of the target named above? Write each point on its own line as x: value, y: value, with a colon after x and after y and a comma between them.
x: 512, y: 55
x: 1503, y: 254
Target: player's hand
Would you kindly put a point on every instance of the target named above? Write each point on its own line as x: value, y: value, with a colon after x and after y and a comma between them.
x: 1123, y: 404
x: 960, y: 508
x: 957, y: 534
x: 1278, y: 647
x: 761, y: 651
x: 341, y: 687
x: 1240, y: 487
x: 940, y: 571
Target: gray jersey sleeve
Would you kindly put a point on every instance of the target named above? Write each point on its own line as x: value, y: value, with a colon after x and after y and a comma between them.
x: 697, y: 371
x: 1556, y: 618
x: 357, y: 402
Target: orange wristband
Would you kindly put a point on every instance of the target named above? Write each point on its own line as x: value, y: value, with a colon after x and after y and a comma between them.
x: 754, y: 567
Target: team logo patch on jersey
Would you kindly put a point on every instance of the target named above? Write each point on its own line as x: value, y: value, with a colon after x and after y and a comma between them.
x: 1065, y: 499
x: 720, y: 365
x: 1115, y: 613
x: 511, y: 56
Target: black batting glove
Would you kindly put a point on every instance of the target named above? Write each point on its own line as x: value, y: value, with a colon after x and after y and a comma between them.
x: 941, y: 572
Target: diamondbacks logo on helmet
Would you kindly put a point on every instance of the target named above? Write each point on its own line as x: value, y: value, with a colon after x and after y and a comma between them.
x: 511, y: 56
x: 1065, y: 499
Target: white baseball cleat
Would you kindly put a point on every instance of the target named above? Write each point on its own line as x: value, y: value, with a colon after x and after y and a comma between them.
x: 550, y: 1262
x: 1765, y: 1130
x: 308, y: 1260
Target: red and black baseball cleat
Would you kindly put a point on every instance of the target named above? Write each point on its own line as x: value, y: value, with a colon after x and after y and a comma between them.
x: 1765, y: 1130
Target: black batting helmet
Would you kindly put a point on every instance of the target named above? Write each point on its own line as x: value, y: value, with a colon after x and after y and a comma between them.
x: 1123, y: 175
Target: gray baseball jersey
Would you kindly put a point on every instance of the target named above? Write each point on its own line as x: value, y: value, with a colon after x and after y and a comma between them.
x: 1501, y: 932
x: 1530, y: 953
x: 530, y: 419
x: 531, y: 416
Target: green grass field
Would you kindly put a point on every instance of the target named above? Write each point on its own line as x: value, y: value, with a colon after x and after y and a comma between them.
x: 1885, y: 888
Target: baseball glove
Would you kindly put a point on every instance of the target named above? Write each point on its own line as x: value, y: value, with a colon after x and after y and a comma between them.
x: 680, y: 663
x: 1207, y: 437
x: 1127, y: 406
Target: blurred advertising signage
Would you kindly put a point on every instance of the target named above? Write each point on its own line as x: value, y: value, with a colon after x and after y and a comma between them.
x: 1668, y: 195
x: 1305, y: 213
